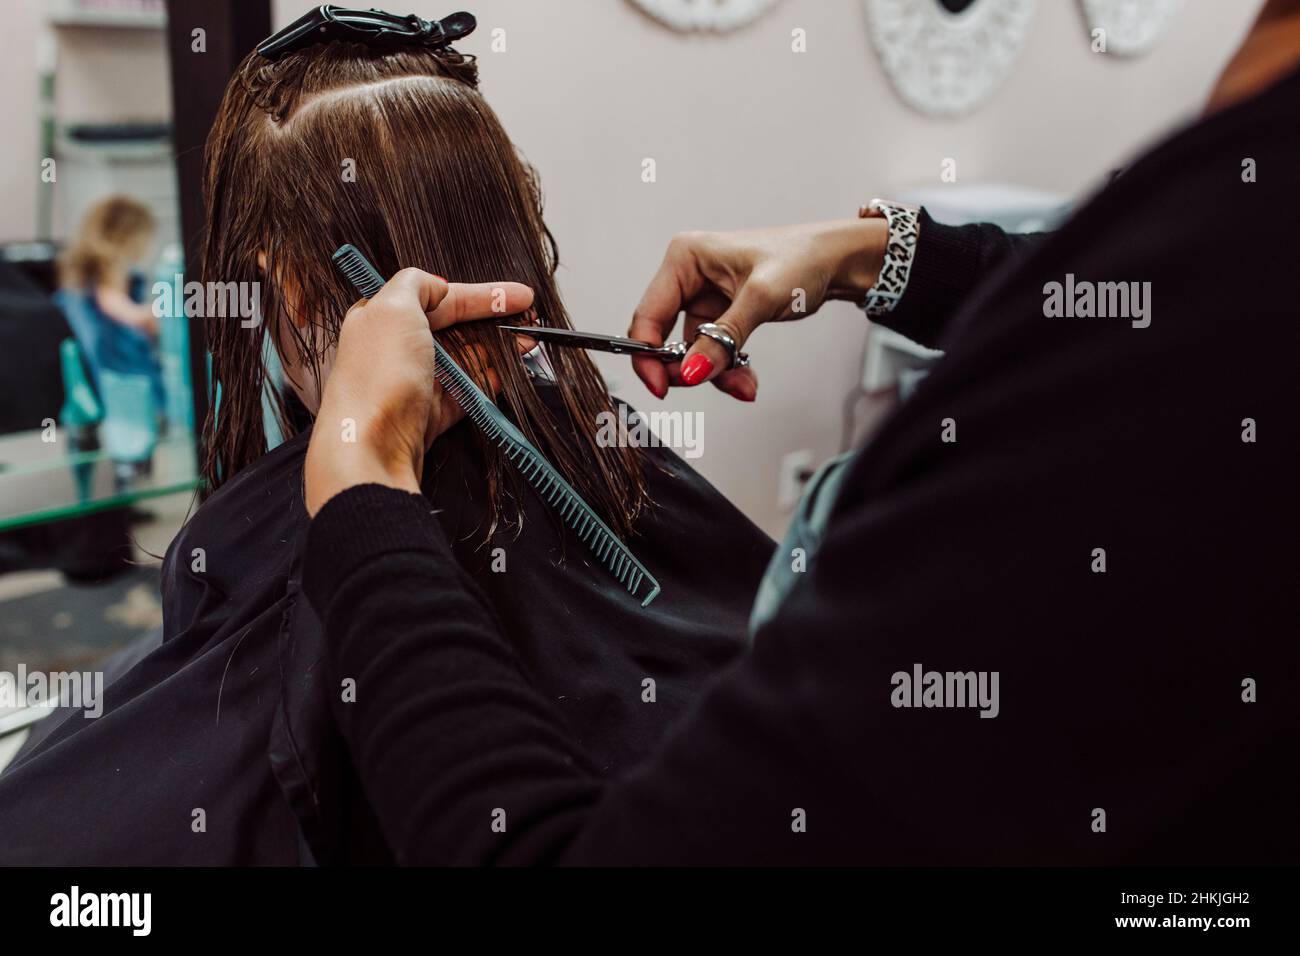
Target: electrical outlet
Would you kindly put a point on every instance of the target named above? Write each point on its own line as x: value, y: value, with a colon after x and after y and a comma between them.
x: 796, y: 469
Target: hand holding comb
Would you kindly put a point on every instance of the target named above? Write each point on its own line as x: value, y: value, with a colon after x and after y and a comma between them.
x: 518, y: 450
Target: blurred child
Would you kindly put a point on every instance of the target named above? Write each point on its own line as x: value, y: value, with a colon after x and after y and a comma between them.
x: 102, y: 296
x: 97, y: 268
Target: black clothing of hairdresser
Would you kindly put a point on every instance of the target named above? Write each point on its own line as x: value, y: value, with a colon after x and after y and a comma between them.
x: 1143, y: 713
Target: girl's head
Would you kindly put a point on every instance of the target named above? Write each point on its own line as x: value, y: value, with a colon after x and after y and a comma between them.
x: 115, y: 234
x: 397, y: 153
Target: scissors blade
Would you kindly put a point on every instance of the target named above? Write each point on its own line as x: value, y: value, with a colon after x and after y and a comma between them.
x: 616, y: 344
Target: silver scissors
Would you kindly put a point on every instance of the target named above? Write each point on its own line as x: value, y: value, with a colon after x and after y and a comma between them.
x: 617, y: 344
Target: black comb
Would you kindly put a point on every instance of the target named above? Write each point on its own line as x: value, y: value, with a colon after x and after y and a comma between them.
x: 519, y: 451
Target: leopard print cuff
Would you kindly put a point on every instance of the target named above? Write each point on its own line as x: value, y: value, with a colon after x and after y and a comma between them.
x: 900, y: 249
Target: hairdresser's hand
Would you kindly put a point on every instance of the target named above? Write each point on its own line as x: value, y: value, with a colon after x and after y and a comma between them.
x: 382, y: 407
x: 739, y: 280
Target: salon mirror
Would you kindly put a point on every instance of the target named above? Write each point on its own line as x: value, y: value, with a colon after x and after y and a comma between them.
x: 97, y: 398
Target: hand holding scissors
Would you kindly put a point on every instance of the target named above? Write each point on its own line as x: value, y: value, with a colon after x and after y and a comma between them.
x: 729, y: 283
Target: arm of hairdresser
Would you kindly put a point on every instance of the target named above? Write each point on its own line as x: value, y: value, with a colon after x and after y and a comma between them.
x: 452, y: 742
x: 740, y: 280
x: 950, y: 261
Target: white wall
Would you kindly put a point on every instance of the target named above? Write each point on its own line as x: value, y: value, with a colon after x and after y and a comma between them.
x: 746, y: 133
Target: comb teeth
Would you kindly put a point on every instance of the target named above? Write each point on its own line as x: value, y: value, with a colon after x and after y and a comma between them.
x: 540, y: 473
x: 357, y: 269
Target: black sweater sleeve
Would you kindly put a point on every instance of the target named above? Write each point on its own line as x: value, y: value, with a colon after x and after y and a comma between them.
x: 465, y: 763
x: 443, y: 726
x: 950, y: 261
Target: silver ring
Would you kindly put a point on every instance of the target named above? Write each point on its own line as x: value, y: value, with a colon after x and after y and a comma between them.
x: 719, y: 335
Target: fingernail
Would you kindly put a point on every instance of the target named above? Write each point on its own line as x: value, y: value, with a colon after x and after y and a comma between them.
x: 696, y: 369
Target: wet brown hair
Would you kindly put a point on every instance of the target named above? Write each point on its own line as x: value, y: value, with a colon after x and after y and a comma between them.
x: 438, y: 185
x: 104, y: 240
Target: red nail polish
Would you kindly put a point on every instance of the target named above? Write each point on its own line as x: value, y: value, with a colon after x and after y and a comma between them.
x: 696, y: 369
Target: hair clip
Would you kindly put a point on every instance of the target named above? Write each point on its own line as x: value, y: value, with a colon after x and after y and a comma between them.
x: 374, y: 27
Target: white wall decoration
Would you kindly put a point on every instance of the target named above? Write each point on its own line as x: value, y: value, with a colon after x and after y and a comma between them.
x: 718, y: 16
x: 1132, y: 26
x: 946, y: 57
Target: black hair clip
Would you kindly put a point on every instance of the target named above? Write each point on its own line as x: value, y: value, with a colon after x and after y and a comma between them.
x: 374, y: 27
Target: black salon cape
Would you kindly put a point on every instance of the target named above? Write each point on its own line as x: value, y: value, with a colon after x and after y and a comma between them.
x: 218, y: 746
